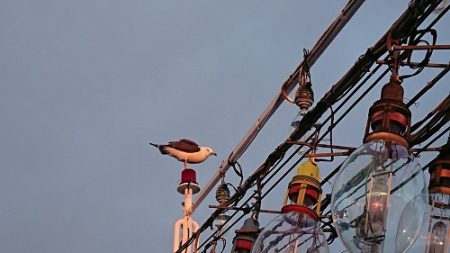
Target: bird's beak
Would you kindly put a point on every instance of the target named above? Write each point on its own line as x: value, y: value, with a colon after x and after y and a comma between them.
x: 214, y: 154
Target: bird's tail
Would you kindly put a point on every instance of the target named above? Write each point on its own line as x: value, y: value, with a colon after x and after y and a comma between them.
x: 162, y: 148
x: 154, y: 145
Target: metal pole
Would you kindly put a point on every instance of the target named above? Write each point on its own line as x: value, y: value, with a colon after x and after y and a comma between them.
x: 186, y: 226
x: 320, y: 46
x: 422, y: 47
x: 417, y: 64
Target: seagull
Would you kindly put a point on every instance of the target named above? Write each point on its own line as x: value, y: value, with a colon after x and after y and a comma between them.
x: 185, y: 150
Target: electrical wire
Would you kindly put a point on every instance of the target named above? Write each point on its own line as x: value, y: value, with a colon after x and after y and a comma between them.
x: 274, y: 157
x: 251, y: 197
x: 412, y: 40
x: 429, y: 85
x: 323, y: 135
x: 436, y: 119
x: 285, y: 174
x: 275, y: 171
x: 223, y: 231
x: 238, y: 170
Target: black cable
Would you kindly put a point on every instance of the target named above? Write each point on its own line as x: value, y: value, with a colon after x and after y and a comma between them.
x: 298, y: 149
x: 279, y: 180
x: 436, y: 119
x: 241, y: 206
x: 324, y: 134
x: 305, y: 68
x: 428, y: 85
x: 412, y: 40
x: 330, y: 130
x: 249, y: 198
x: 335, y: 171
x: 258, y: 199
x: 238, y: 170
x: 224, y: 243
x: 423, y: 16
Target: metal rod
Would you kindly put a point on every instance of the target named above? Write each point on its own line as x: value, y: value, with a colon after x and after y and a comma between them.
x: 320, y: 145
x: 419, y: 150
x: 324, y: 41
x: 422, y: 47
x: 346, y: 153
x: 417, y: 64
x: 440, y: 217
x: 245, y: 209
x: 328, y: 154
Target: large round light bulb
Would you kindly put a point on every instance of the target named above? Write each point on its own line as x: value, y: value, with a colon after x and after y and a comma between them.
x: 370, y: 192
x: 411, y: 222
x: 439, y: 223
x: 291, y: 232
x: 434, y: 235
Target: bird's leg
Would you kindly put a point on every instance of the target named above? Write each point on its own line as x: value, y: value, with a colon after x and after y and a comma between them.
x: 184, y: 164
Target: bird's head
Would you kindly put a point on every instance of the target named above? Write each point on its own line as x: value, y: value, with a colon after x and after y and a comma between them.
x: 209, y: 151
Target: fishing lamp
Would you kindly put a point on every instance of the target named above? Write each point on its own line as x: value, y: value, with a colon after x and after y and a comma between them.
x: 304, y: 97
x: 297, y: 228
x: 378, y: 179
x: 222, y: 196
x: 188, y: 180
x: 246, y: 236
x: 439, y: 189
x: 434, y: 236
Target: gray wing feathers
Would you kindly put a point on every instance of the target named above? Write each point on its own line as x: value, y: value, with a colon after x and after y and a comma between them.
x: 185, y: 145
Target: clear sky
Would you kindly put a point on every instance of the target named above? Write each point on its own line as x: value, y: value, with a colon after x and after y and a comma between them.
x: 86, y: 84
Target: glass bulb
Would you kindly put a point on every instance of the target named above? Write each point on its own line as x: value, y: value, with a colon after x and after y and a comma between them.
x: 438, y: 239
x: 296, y: 121
x: 371, y: 190
x: 434, y: 235
x: 221, y: 219
x: 439, y: 222
x: 294, y: 125
x: 411, y: 221
x: 291, y: 232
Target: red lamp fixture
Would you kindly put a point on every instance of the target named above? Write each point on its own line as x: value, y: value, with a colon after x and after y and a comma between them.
x: 246, y: 236
x: 389, y: 118
x: 304, y: 191
x: 297, y: 228
x: 439, y: 200
x: 188, y: 180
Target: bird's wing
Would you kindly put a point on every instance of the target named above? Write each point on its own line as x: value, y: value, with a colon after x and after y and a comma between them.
x: 185, y: 145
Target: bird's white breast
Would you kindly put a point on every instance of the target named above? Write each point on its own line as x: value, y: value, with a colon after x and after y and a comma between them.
x: 196, y: 157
